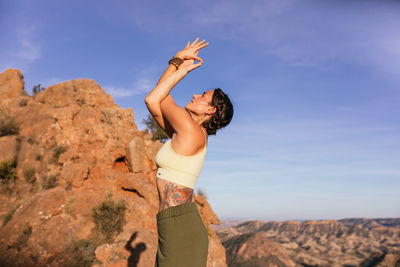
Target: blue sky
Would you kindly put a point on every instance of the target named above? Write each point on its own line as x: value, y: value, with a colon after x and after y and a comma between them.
x: 315, y: 86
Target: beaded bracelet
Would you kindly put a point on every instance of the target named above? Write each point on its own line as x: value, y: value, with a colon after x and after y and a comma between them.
x: 176, y: 61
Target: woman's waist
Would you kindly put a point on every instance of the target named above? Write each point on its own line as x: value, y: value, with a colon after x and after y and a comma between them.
x: 172, y: 194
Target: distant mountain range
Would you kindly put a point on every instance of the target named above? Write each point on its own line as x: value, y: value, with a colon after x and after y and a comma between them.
x: 346, y: 242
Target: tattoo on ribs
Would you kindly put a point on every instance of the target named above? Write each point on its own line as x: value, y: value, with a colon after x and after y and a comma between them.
x: 175, y: 195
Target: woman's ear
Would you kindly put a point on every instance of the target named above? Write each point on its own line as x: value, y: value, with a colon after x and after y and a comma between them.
x: 211, y: 110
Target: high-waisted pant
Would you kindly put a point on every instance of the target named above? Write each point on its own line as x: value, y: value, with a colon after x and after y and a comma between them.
x: 182, y: 237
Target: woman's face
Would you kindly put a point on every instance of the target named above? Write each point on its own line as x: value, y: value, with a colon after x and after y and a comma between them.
x: 201, y: 104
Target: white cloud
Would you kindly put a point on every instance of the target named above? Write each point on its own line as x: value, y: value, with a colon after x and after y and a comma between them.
x: 297, y: 32
x: 24, y: 51
x: 28, y: 47
x: 144, y: 82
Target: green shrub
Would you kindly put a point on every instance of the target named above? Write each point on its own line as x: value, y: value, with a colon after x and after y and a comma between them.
x: 9, y: 215
x: 31, y: 140
x: 7, y: 171
x: 37, y: 89
x: 23, y: 102
x: 58, y: 150
x: 29, y: 174
x: 200, y: 192
x: 8, y: 126
x: 83, y: 252
x: 109, y: 218
x: 155, y: 129
x: 22, y: 238
x: 49, y: 182
x: 38, y: 157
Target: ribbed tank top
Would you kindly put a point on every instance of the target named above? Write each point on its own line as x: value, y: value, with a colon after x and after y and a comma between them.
x: 177, y: 168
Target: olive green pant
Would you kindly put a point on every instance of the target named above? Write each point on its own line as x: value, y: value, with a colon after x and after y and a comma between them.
x: 182, y: 237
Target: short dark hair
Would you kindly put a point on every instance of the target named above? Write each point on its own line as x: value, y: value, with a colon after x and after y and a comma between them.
x: 222, y: 116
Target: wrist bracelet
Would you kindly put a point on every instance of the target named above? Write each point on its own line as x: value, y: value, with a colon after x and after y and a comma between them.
x: 176, y: 61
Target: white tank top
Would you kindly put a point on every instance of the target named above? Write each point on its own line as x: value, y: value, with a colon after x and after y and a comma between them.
x: 177, y: 168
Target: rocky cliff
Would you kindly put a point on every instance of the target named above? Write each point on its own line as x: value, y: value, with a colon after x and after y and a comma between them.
x: 348, y: 242
x: 78, y: 180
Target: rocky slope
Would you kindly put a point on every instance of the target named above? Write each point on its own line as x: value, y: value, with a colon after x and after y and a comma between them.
x: 348, y: 242
x: 77, y: 180
x: 256, y: 249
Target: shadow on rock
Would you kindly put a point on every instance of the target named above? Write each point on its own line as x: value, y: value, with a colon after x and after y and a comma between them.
x: 133, y: 259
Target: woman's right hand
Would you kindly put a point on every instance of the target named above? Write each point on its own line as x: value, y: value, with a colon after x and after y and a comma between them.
x: 191, y: 51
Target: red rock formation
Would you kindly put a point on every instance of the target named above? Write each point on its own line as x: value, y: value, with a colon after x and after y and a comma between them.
x: 256, y: 249
x: 73, y: 146
x: 355, y: 242
x: 12, y: 84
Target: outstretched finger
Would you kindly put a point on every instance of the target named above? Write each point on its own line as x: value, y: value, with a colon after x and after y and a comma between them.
x: 201, y: 42
x: 200, y: 47
x: 195, y: 41
x: 188, y: 43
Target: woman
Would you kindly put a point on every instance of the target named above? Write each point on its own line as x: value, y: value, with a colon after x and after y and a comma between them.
x: 182, y: 236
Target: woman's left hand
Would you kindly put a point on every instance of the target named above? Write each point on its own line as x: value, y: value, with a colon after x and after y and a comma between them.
x: 191, y: 51
x: 189, y: 54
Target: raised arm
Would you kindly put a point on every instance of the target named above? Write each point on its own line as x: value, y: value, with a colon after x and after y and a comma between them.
x: 160, y: 104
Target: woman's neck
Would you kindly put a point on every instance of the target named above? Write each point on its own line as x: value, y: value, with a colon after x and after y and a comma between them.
x: 198, y: 118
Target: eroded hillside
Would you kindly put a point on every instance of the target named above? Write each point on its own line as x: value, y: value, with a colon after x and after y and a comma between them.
x: 78, y: 180
x: 348, y: 242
